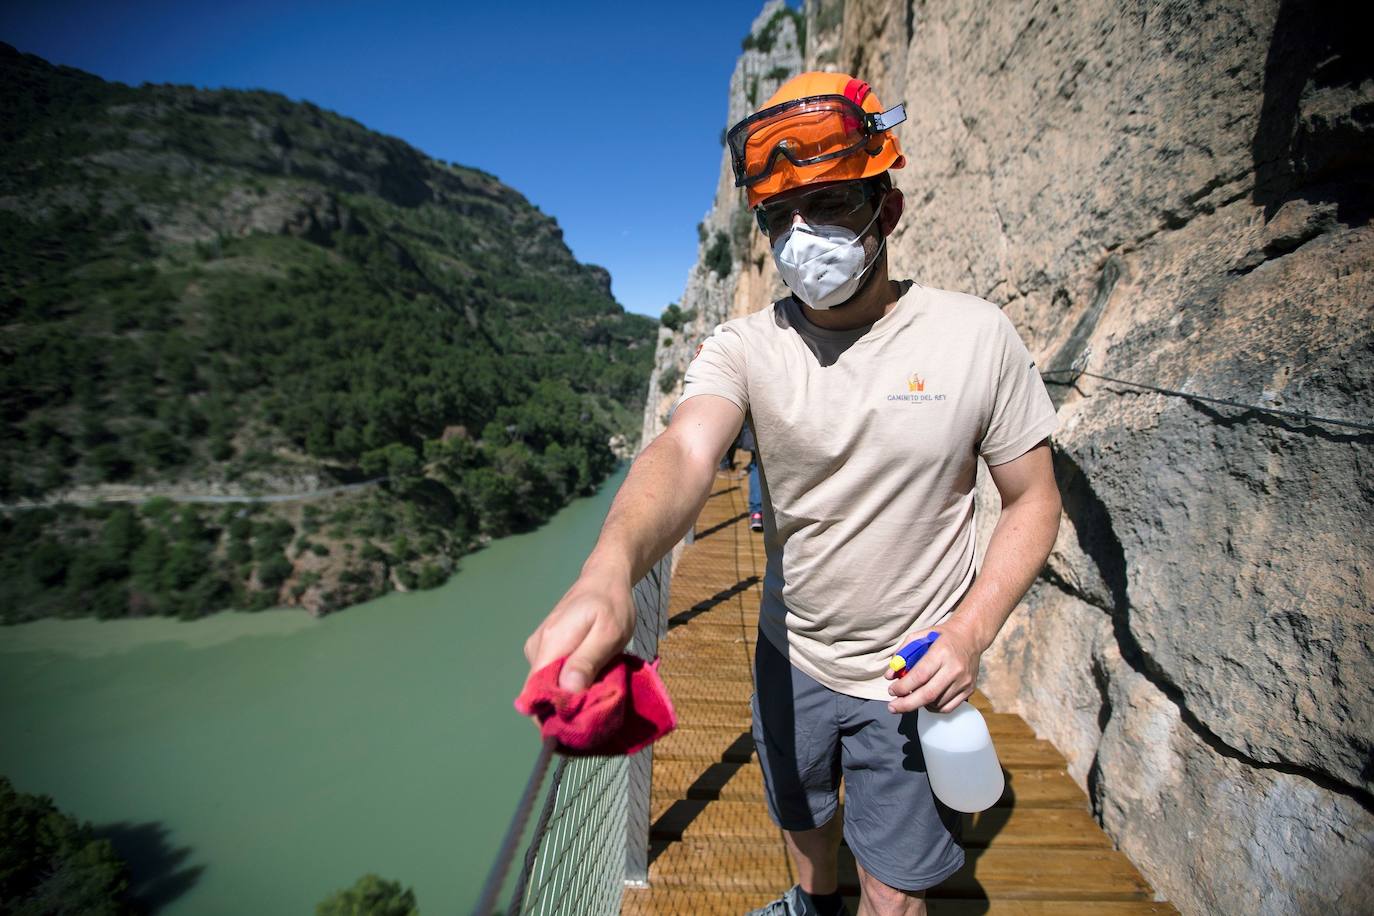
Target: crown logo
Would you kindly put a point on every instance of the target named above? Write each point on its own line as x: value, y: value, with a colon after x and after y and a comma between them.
x: 914, y: 382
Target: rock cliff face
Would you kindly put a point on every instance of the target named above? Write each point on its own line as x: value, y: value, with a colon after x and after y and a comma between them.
x: 1176, y: 194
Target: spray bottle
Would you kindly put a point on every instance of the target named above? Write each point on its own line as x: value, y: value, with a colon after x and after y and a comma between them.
x: 960, y: 759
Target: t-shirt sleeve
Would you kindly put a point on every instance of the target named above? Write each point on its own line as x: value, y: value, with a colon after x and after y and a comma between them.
x: 719, y: 368
x: 1022, y: 412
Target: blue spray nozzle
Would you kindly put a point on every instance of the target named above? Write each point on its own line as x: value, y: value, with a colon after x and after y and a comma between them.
x: 913, y: 651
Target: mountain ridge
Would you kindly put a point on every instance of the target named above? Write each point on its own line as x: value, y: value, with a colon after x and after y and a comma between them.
x: 226, y: 290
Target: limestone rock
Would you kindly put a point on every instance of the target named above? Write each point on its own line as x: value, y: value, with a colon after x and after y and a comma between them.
x: 1226, y: 836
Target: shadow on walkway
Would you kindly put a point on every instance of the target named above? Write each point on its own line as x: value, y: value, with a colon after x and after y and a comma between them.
x: 701, y: 607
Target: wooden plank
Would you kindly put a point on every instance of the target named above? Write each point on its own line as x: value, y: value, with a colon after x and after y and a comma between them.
x: 676, y: 901
x: 1061, y: 874
x: 706, y: 666
x: 706, y: 744
x: 686, y: 684
x: 1041, y: 788
x: 1044, y: 828
x: 685, y: 690
x: 702, y: 820
x: 706, y: 711
x: 1011, y: 872
x: 691, y: 778
x: 675, y: 779
x: 727, y: 625
x: 736, y: 743
x: 1023, y: 825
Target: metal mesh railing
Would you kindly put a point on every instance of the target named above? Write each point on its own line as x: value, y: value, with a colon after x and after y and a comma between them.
x: 592, y: 833
x: 576, y: 860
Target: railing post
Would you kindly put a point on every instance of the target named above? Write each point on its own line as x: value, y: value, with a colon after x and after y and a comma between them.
x: 651, y: 622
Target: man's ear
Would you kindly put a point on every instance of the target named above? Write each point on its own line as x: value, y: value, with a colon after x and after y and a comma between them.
x: 891, y: 214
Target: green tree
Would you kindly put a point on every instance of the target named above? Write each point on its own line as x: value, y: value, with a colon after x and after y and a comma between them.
x: 110, y: 462
x: 431, y: 576
x: 53, y: 864
x: 148, y: 562
x: 495, y: 498
x: 395, y: 460
x: 161, y: 447
x: 186, y: 564
x: 370, y: 895
x: 273, y: 571
x: 48, y: 562
x: 718, y: 255
x: 673, y: 316
x: 120, y: 535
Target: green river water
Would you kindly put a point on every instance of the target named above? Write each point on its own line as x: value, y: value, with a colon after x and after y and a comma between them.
x: 252, y: 763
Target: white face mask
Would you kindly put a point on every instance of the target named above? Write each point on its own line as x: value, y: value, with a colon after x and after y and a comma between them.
x: 823, y: 265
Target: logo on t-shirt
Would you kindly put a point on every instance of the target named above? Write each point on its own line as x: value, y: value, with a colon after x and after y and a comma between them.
x: 916, y: 391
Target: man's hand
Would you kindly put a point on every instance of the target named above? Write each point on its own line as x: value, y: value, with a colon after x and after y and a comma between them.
x: 941, y: 680
x: 590, y: 624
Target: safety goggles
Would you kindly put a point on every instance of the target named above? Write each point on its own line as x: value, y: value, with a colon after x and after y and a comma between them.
x: 828, y: 205
x: 805, y: 131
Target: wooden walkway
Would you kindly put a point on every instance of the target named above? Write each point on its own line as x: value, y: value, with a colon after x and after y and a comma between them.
x: 713, y: 849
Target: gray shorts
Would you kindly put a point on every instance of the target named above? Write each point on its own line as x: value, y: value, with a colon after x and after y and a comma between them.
x: 808, y: 735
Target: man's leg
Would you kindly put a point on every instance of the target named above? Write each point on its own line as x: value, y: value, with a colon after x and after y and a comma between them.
x: 798, y: 745
x: 755, y: 490
x: 816, y: 854
x: 880, y: 900
x: 903, y: 840
x: 755, y: 494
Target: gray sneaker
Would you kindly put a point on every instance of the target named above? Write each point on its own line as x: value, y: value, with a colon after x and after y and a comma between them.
x: 792, y: 903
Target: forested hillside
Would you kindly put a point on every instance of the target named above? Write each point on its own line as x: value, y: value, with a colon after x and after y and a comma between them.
x: 230, y: 292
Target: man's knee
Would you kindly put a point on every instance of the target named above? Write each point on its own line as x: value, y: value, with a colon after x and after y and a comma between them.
x: 884, y: 900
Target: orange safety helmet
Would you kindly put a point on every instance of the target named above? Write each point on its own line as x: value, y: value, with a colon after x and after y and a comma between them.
x: 817, y: 127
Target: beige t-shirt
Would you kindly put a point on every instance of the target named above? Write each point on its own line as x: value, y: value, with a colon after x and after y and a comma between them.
x: 868, y: 443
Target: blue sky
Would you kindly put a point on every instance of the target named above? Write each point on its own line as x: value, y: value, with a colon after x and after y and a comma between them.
x: 605, y: 115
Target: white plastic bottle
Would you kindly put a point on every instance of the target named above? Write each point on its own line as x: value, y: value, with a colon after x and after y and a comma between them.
x: 960, y: 759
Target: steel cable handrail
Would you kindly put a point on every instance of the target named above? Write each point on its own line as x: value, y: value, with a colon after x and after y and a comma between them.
x: 1208, y: 399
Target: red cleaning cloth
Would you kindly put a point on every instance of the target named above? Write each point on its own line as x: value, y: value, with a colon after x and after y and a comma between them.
x: 625, y: 709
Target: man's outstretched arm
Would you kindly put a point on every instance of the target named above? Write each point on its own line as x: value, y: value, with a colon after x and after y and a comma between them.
x: 1020, y: 544
x: 660, y: 499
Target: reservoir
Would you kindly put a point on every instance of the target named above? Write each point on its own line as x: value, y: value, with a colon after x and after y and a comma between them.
x: 253, y: 763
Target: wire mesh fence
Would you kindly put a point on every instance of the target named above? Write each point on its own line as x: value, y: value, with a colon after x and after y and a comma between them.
x: 576, y: 857
x: 592, y: 833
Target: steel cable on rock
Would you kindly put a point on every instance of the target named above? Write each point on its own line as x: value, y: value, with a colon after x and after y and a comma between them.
x: 1226, y: 402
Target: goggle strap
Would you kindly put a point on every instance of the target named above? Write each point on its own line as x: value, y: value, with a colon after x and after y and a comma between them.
x: 888, y: 119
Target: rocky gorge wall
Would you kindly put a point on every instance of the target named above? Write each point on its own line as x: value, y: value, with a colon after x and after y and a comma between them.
x: 1176, y: 194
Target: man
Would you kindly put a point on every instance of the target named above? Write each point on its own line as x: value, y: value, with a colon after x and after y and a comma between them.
x: 870, y: 401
